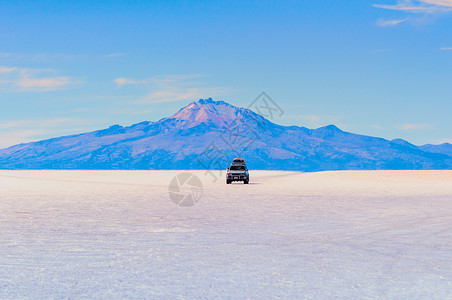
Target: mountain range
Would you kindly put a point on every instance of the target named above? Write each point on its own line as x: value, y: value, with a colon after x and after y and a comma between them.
x: 208, y: 134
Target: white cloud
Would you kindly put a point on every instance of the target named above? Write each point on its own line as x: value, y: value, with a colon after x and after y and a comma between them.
x: 172, y: 88
x: 32, y: 80
x: 6, y: 70
x: 385, y: 23
x: 446, y: 49
x: 43, y: 84
x: 112, y: 55
x: 439, y: 2
x: 127, y: 81
x: 419, y: 6
x: 415, y: 126
x: 422, y: 8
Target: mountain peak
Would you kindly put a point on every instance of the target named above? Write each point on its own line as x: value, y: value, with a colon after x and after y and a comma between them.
x: 210, y: 112
x: 403, y: 143
x: 206, y: 101
x: 330, y: 127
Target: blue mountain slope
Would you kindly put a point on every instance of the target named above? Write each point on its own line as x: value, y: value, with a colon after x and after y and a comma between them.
x: 445, y: 148
x: 209, y: 134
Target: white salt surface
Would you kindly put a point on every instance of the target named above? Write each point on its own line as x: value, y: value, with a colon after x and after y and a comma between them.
x: 116, y: 234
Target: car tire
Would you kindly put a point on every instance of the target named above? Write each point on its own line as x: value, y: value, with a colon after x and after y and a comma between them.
x: 228, y: 182
x: 245, y: 181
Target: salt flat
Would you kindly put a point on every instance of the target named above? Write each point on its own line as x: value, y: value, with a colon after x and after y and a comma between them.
x: 116, y: 234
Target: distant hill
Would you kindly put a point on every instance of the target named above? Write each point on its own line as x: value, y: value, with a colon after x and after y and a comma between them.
x: 208, y: 134
x: 445, y: 148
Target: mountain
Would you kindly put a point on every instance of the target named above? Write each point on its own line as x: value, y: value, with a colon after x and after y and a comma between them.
x: 208, y: 134
x: 403, y: 143
x: 445, y: 148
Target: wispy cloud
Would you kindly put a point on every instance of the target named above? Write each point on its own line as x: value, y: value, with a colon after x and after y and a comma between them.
x: 32, y: 80
x: 415, y: 126
x: 171, y: 88
x: 7, y: 70
x: 113, y: 55
x: 446, y: 49
x: 385, y: 23
x: 419, y: 6
x: 127, y: 81
x: 43, y: 84
x: 422, y: 8
x: 439, y: 2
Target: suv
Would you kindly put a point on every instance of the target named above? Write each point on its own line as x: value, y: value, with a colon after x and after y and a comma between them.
x: 237, y: 172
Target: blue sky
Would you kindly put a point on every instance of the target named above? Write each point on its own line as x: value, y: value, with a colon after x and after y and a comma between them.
x: 381, y: 68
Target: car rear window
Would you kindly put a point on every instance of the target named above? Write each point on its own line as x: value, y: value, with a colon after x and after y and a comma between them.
x: 237, y: 168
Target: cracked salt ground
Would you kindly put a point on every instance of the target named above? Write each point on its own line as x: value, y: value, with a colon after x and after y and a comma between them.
x: 351, y: 234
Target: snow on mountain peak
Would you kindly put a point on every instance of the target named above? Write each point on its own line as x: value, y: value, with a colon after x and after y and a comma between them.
x: 208, y: 111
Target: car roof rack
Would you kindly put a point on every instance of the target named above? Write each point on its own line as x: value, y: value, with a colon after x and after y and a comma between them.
x: 238, y: 161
